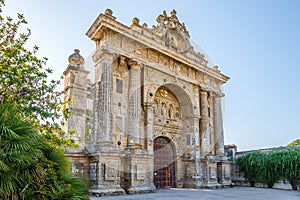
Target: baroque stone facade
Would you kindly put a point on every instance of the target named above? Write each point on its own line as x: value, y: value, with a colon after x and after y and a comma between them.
x: 152, y: 117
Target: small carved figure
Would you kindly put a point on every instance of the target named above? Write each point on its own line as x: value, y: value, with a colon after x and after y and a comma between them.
x: 183, y: 27
x: 160, y: 21
x: 172, y: 112
x: 164, y: 110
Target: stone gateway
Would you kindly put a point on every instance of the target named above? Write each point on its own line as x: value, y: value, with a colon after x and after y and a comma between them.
x: 152, y: 117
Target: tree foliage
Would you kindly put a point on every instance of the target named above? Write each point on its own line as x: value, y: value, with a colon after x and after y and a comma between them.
x: 251, y: 164
x: 31, y: 168
x: 268, y: 168
x: 32, y: 160
x: 294, y: 143
x: 24, y: 80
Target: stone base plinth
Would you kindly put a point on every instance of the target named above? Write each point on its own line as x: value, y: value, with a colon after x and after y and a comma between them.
x: 107, y: 192
x: 138, y: 172
x: 141, y: 189
x: 207, y: 185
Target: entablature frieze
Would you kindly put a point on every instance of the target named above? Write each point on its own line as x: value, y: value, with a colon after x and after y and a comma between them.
x: 175, y: 72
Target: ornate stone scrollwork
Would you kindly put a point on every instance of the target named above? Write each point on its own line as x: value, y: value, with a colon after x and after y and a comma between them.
x: 175, y: 33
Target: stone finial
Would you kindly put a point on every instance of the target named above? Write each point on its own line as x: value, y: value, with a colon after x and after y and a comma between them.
x: 108, y: 12
x: 76, y: 58
x: 135, y: 22
x: 216, y: 68
x: 165, y: 15
x: 145, y: 25
x: 173, y: 13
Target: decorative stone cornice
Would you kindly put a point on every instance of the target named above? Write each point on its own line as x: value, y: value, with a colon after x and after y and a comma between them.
x: 155, y: 40
x: 75, y: 68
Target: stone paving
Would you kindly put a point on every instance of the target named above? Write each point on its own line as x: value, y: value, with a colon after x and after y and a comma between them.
x: 205, y: 194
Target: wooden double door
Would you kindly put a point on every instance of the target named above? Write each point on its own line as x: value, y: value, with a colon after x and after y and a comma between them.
x: 164, y: 163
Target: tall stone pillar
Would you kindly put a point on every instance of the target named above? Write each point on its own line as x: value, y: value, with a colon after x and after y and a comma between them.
x: 218, y: 124
x: 75, y: 92
x: 138, y: 174
x: 196, y: 149
x: 134, y: 105
x: 205, y: 133
x: 104, y: 134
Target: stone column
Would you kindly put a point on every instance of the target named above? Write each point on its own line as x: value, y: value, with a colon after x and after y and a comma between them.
x: 218, y: 124
x: 205, y: 144
x: 105, y: 101
x: 196, y: 149
x: 134, y: 105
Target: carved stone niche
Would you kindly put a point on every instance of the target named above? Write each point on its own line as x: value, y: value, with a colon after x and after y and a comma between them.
x: 93, y: 171
x: 110, y: 173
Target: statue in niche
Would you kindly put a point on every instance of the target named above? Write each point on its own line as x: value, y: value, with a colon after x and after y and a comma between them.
x: 172, y: 112
x: 163, y: 110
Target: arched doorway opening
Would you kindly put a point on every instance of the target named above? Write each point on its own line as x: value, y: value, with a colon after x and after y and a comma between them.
x: 164, y: 163
x: 172, y: 107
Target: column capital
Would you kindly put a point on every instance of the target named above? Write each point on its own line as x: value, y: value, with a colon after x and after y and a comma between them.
x: 104, y: 53
x: 218, y: 94
x: 204, y: 92
x: 204, y: 89
x: 133, y: 63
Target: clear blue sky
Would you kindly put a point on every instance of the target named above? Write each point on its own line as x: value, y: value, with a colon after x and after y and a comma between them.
x: 255, y: 42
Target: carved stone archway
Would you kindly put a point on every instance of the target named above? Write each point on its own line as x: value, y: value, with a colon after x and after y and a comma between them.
x: 171, y: 110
